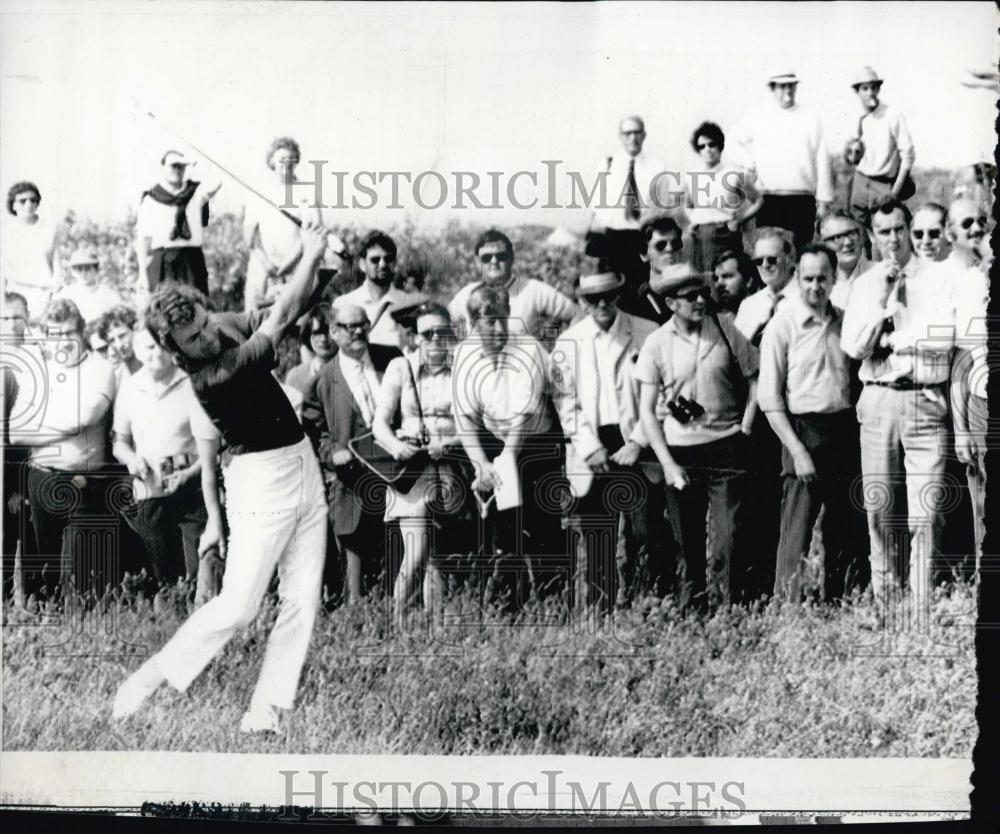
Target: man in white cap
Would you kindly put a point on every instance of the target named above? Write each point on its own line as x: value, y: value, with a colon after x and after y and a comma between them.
x: 92, y: 298
x: 881, y: 148
x: 704, y: 371
x: 170, y: 226
x: 597, y: 398
x: 783, y: 144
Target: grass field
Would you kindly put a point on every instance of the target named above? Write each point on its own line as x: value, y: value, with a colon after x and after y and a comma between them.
x: 771, y: 681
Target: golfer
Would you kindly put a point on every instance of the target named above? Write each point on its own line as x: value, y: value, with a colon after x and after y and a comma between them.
x: 275, y: 499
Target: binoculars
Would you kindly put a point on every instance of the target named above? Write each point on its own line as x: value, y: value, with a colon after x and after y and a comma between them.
x: 684, y: 410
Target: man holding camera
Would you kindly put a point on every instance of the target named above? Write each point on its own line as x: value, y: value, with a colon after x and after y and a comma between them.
x: 706, y: 371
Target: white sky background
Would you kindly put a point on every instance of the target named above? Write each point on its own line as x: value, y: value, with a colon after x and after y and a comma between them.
x: 451, y: 87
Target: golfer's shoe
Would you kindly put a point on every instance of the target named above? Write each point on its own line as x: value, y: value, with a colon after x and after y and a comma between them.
x: 136, y: 689
x: 260, y: 719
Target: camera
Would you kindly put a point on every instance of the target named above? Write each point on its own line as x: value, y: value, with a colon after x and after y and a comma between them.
x: 684, y: 410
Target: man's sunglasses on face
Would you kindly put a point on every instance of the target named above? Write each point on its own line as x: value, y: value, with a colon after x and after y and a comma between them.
x: 443, y: 332
x: 769, y: 260
x: 673, y: 244
x: 609, y: 297
x: 357, y: 326
x: 842, y: 237
x: 932, y: 234
x: 692, y: 296
x: 500, y: 257
x: 967, y: 222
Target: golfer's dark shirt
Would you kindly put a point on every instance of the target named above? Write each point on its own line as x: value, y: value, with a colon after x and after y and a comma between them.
x: 238, y: 391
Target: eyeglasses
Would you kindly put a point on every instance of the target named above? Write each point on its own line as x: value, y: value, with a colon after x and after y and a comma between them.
x: 674, y: 245
x: 442, y: 332
x: 609, y: 297
x: 375, y: 259
x: 632, y: 132
x: 691, y: 296
x: 102, y: 349
x: 85, y: 267
x: 358, y: 326
x: 500, y: 257
x: 968, y: 221
x: 843, y: 236
x: 932, y: 234
x: 709, y: 144
x: 769, y: 260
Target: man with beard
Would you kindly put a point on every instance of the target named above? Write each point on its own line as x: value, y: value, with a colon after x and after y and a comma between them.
x: 734, y: 277
x: 531, y: 301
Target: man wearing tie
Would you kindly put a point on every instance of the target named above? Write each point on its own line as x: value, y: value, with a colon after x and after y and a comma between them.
x: 900, y: 321
x: 597, y: 398
x: 631, y: 174
x: 341, y: 406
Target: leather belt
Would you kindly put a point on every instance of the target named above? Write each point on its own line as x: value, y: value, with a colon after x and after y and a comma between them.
x: 906, y: 385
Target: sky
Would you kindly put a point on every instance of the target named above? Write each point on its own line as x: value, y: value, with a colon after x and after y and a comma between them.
x: 449, y: 87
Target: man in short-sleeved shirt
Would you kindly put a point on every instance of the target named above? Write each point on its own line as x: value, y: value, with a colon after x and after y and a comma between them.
x: 702, y: 369
x: 804, y: 391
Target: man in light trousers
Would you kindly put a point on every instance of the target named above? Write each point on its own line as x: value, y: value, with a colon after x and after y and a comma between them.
x: 275, y: 498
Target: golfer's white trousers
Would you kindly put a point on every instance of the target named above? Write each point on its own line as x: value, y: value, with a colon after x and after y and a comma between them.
x: 277, y: 515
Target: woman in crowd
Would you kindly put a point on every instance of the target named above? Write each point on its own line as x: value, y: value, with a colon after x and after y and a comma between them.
x: 317, y: 344
x: 416, y: 393
x: 28, y: 248
x: 720, y: 198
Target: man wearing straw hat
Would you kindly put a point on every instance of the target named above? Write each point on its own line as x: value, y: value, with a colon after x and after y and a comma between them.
x: 881, y: 149
x: 597, y: 398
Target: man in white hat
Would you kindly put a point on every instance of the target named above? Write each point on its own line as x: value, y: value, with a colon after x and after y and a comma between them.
x: 705, y: 372
x: 92, y: 298
x: 880, y: 147
x: 597, y: 398
x: 783, y: 144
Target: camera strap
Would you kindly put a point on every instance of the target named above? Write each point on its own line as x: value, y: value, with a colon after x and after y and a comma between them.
x: 742, y: 389
x: 425, y: 437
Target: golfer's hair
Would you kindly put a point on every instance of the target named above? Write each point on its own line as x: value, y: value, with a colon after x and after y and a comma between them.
x: 120, y: 315
x: 62, y: 310
x: 744, y: 266
x: 171, y: 307
x: 376, y: 237
x: 937, y: 208
x: 493, y: 236
x: 662, y: 223
x: 776, y: 233
x: 710, y: 130
x: 487, y: 301
x: 15, y: 298
x: 284, y: 143
x: 895, y: 205
x: 322, y: 315
x: 819, y: 249
x: 20, y: 188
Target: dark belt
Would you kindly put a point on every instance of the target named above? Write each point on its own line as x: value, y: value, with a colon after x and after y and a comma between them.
x: 907, y: 385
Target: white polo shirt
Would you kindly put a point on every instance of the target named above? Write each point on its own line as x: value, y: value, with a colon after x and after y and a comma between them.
x: 531, y: 300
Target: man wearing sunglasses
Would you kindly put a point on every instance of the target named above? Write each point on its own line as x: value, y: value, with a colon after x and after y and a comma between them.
x: 783, y: 144
x: 966, y: 232
x: 663, y: 247
x: 532, y: 302
x: 844, y: 235
x: 773, y: 256
x: 705, y: 371
x: 883, y: 171
x: 340, y: 406
x: 804, y: 391
x: 927, y: 232
x: 900, y: 321
x: 597, y: 399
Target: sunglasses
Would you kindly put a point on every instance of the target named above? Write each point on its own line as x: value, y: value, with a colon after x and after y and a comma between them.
x: 968, y: 222
x: 691, y: 296
x: 842, y: 236
x: 703, y: 145
x: 932, y: 234
x: 500, y: 257
x: 360, y: 326
x: 769, y: 260
x: 674, y: 245
x: 85, y: 267
x: 103, y: 349
x: 442, y: 332
x: 609, y: 297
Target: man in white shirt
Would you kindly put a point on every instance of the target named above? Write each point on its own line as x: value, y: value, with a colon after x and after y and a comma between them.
x: 966, y: 231
x: 844, y: 235
x: 883, y: 139
x: 377, y: 256
x: 92, y: 298
x: 532, y: 302
x: 900, y: 321
x: 774, y: 258
x: 927, y: 232
x: 783, y: 145
x: 597, y: 399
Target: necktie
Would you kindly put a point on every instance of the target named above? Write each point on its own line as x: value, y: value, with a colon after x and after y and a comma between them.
x: 369, y: 397
x: 631, y: 193
x: 755, y: 341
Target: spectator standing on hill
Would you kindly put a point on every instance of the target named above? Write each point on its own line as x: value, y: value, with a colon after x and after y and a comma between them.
x: 170, y: 226
x: 89, y: 294
x: 785, y: 151
x: 927, y: 232
x: 273, y: 239
x: 845, y: 236
x: 28, y: 248
x: 882, y: 172
x: 531, y: 301
x: 274, y: 492
x: 804, y: 391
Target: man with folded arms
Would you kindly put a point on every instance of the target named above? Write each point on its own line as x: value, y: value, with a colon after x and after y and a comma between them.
x: 707, y: 372
x: 597, y: 398
x: 274, y: 492
x: 341, y: 406
x: 804, y: 391
x: 900, y: 321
